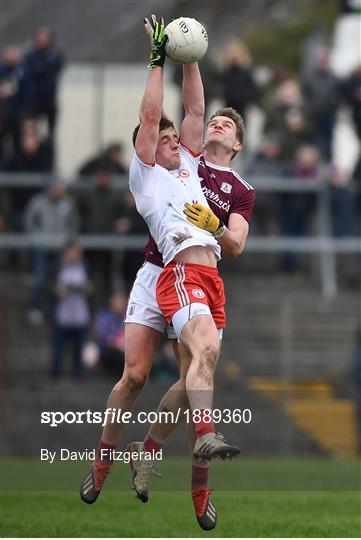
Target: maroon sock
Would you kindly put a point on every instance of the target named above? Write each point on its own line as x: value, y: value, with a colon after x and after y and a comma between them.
x: 199, y: 477
x: 202, y: 426
x: 104, y: 452
x: 152, y: 443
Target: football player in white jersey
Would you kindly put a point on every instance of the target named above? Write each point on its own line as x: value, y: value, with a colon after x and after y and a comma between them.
x: 163, y: 178
x: 157, y: 141
x: 235, y: 210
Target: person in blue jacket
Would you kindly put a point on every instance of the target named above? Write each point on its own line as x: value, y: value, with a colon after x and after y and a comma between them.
x: 43, y: 64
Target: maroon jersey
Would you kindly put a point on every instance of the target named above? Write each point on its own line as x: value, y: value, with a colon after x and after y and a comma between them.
x: 226, y: 193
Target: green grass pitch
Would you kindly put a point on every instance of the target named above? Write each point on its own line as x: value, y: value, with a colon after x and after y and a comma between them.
x: 30, y: 510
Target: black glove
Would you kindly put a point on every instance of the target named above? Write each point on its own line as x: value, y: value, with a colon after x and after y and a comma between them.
x: 158, y: 39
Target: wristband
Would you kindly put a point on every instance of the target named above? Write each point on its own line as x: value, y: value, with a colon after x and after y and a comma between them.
x: 220, y: 231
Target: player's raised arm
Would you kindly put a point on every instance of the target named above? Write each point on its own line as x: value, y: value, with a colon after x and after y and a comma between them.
x: 152, y: 103
x: 192, y: 129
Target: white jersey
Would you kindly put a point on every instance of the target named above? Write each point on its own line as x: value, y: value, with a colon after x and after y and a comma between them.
x: 160, y: 196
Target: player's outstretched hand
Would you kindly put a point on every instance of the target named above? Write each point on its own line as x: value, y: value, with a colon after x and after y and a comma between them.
x: 204, y: 218
x: 155, y: 29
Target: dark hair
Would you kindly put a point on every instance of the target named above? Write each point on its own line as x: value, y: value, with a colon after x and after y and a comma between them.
x: 113, y: 146
x: 164, y: 123
x: 237, y: 119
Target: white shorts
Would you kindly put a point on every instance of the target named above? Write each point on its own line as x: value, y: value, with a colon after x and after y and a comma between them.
x: 142, y: 304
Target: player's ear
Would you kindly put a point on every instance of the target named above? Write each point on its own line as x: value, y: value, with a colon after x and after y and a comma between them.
x: 237, y: 146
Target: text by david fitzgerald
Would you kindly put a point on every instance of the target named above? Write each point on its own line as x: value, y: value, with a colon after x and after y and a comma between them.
x: 64, y: 454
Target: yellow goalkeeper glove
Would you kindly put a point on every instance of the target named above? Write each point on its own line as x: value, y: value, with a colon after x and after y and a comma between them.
x: 204, y: 218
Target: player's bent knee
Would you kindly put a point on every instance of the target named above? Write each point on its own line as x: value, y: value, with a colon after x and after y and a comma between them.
x: 135, y: 381
x: 205, y: 358
x: 208, y: 354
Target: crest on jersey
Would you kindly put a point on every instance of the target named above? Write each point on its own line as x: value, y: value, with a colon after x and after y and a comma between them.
x: 226, y: 188
x: 198, y: 293
x: 183, y: 173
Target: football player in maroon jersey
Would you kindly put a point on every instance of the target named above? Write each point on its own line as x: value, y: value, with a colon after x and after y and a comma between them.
x: 231, y: 201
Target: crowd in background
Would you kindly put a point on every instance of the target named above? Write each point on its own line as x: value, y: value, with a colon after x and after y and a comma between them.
x: 297, y: 141
x: 299, y: 116
x: 28, y: 92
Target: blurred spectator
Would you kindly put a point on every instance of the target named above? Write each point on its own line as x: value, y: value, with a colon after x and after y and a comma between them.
x: 295, y: 132
x: 5, y: 210
x: 287, y: 122
x: 130, y: 223
x: 99, y: 207
x: 352, y: 98
x: 322, y: 94
x: 49, y: 212
x: 266, y: 164
x: 109, y: 333
x: 5, y: 221
x: 297, y: 208
x: 356, y: 180
x: 71, y: 314
x: 267, y: 161
x: 111, y: 159
x: 12, y: 103
x: 99, y: 210
x: 343, y: 205
x: 269, y: 88
x: 237, y: 85
x: 308, y: 161
x: 287, y: 96
x: 33, y: 157
x: 43, y: 64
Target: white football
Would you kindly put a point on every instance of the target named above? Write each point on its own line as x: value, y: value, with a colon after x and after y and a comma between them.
x: 187, y: 40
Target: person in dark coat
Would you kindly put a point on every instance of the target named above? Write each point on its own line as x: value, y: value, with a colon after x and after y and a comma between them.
x: 43, y: 64
x: 351, y: 92
x: 12, y: 103
x: 322, y: 93
x: 287, y: 121
x: 237, y: 85
x: 34, y: 156
x: 99, y: 209
x: 131, y: 223
x: 111, y: 159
